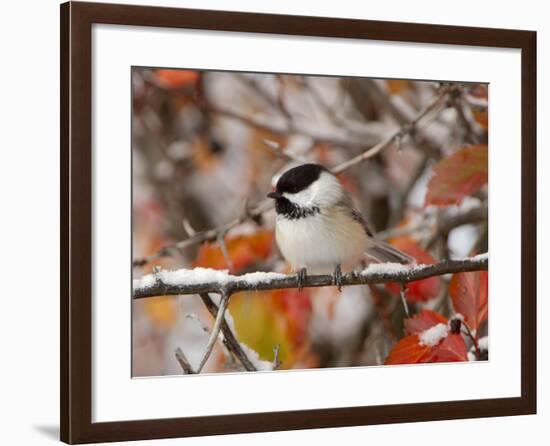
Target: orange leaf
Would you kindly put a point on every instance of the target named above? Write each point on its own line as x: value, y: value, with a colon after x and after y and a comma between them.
x: 162, y: 311
x: 243, y: 250
x: 469, y: 293
x: 423, y: 320
x: 459, y: 175
x: 395, y: 86
x: 419, y: 290
x: 408, y: 351
x: 176, y: 78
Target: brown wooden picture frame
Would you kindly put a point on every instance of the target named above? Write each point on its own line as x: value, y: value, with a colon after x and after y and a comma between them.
x: 76, y: 221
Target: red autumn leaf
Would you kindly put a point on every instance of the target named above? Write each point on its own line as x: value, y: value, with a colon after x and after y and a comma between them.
x: 408, y: 351
x: 243, y: 250
x: 459, y: 175
x: 176, y: 78
x: 296, y: 306
x: 451, y: 349
x: 423, y: 320
x: 419, y: 290
x: 469, y: 293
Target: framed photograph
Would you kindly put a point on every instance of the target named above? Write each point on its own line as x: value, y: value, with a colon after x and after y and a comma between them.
x: 281, y: 222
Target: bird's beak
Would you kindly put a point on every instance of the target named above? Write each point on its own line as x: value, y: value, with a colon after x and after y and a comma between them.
x: 274, y: 195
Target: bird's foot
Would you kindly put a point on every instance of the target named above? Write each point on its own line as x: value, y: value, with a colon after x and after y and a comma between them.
x: 301, y: 275
x: 337, y: 277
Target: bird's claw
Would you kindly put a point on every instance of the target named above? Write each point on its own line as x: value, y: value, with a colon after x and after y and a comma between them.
x: 337, y: 277
x: 301, y: 275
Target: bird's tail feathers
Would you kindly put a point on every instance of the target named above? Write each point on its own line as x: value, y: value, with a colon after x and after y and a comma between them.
x: 383, y: 252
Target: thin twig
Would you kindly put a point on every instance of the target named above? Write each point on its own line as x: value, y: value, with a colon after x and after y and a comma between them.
x: 225, y: 251
x: 200, y: 323
x: 377, y: 273
x: 379, y: 95
x: 279, y: 151
x: 402, y: 294
x: 229, y: 339
x: 276, y: 362
x: 446, y: 224
x: 345, y: 133
x: 184, y: 363
x: 471, y: 135
x: 320, y: 101
x: 220, y: 318
x: 329, y: 135
x: 473, y: 338
x: 407, y: 128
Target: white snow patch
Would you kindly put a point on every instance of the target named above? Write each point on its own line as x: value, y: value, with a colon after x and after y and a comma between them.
x: 204, y: 275
x: 260, y: 277
x: 194, y: 276
x: 483, y: 343
x: 260, y: 364
x: 433, y: 336
x: 478, y: 258
x: 481, y: 257
x: 145, y: 282
x: 385, y: 268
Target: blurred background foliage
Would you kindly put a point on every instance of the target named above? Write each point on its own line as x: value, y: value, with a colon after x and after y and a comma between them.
x: 206, y: 147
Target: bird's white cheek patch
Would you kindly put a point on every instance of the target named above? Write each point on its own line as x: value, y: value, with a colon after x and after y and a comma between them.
x: 303, y: 198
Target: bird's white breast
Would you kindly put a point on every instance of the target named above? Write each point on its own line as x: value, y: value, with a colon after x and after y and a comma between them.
x: 322, y: 241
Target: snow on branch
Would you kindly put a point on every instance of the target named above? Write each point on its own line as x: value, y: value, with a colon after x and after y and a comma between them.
x: 204, y: 280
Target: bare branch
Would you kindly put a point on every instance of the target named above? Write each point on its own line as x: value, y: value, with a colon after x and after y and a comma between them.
x: 403, y: 296
x: 279, y: 151
x: 445, y: 225
x: 399, y: 114
x: 161, y: 284
x: 474, y: 215
x: 184, y: 363
x: 471, y: 135
x: 225, y: 251
x: 366, y: 133
x: 220, y: 318
x: 276, y: 361
x: 434, y: 106
x: 229, y: 339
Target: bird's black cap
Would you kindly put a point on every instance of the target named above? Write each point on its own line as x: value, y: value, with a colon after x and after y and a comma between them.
x: 298, y: 178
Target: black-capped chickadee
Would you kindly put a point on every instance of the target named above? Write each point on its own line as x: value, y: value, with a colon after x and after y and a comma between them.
x: 318, y: 230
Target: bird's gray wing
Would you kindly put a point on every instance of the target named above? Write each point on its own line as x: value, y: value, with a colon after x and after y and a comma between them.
x: 381, y: 251
x: 356, y: 215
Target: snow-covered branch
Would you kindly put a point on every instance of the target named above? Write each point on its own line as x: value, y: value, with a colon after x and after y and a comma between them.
x: 203, y: 280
